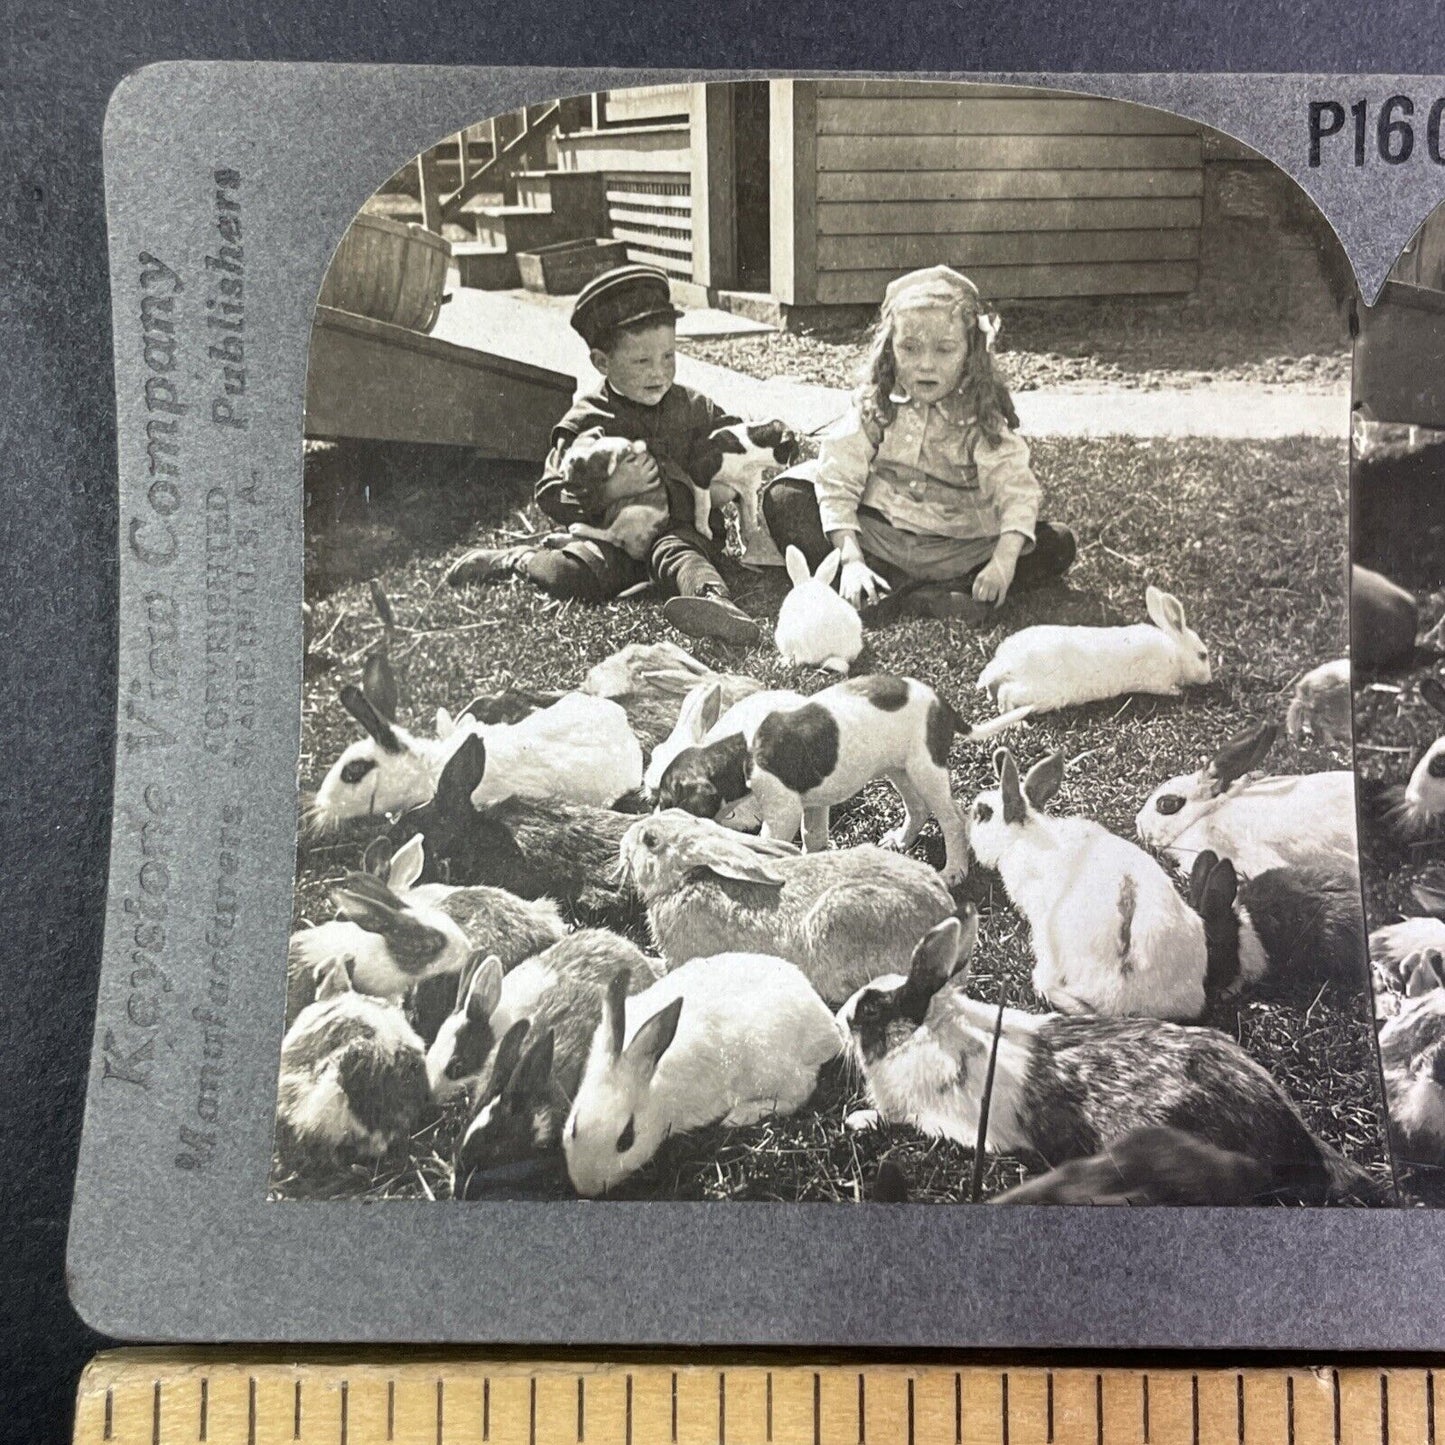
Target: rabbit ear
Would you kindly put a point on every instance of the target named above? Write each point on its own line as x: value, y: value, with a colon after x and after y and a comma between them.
x: 504, y: 1065
x: 798, y: 572
x: 464, y: 982
x: 406, y: 864
x: 932, y: 967
x: 530, y: 1077
x: 460, y: 778
x: 377, y: 727
x: 1044, y: 779
x: 1220, y: 889
x: 650, y: 1042
x: 367, y: 902
x: 1432, y: 692
x: 746, y: 870
x: 1015, y: 810
x: 485, y: 991
x: 376, y: 860
x: 614, y: 1012
x: 375, y: 908
x: 334, y: 979
x: 446, y: 724
x: 701, y: 708
x: 828, y: 567
x: 1204, y: 861
x: 1164, y: 609
x: 378, y: 682
x: 1244, y: 752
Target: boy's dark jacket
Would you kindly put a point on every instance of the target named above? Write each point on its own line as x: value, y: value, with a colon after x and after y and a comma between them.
x: 676, y: 431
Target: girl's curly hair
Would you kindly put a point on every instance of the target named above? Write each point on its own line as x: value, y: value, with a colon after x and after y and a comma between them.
x: 980, y: 386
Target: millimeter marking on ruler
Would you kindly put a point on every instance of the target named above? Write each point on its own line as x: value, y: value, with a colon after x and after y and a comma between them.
x: 158, y: 1397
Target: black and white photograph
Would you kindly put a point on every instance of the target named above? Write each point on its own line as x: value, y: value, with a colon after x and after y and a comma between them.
x: 1398, y: 583
x: 827, y: 667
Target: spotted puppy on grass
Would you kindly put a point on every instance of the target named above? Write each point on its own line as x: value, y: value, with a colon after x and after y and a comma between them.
x: 804, y: 760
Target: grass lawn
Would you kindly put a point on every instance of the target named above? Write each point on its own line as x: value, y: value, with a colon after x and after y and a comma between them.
x: 1250, y: 535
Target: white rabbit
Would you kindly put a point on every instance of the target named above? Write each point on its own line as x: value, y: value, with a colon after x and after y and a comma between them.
x: 1259, y: 823
x: 579, y: 748
x: 1052, y: 666
x: 353, y: 1077
x: 733, y: 1038
x: 1110, y: 934
x: 841, y: 915
x: 816, y: 627
x: 1065, y: 1088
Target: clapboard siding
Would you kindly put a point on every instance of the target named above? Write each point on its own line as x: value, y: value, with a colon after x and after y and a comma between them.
x: 1103, y: 279
x: 1031, y: 192
x: 900, y: 218
x: 1006, y: 152
x: 644, y: 103
x: 1003, y: 248
x: 971, y: 116
x: 1042, y: 185
x: 627, y: 148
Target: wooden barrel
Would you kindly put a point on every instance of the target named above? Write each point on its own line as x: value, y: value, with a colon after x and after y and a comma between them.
x: 388, y: 271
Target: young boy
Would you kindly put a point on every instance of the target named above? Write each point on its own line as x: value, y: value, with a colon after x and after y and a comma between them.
x: 629, y: 323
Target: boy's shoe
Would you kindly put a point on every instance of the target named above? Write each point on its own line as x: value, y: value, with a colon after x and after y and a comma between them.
x: 712, y: 616
x: 486, y: 564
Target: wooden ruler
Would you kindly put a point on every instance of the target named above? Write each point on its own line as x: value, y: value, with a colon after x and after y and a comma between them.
x: 160, y: 1397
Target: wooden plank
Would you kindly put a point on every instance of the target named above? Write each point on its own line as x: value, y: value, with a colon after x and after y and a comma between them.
x: 430, y: 185
x: 1070, y: 115
x: 793, y: 165
x: 679, y: 266
x: 620, y: 196
x: 1027, y: 282
x: 664, y: 148
x: 914, y: 218
x: 1043, y: 185
x: 679, y: 245
x: 646, y: 102
x: 374, y: 380
x: 1003, y: 248
x: 713, y: 235
x: 1055, y: 152
x: 672, y: 220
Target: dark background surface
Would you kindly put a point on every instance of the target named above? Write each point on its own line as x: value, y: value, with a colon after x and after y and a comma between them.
x: 58, y: 66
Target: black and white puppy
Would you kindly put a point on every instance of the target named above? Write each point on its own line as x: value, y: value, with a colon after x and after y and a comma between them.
x: 802, y: 761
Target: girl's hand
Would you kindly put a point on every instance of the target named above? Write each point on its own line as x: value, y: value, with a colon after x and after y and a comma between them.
x: 994, y: 580
x: 857, y: 580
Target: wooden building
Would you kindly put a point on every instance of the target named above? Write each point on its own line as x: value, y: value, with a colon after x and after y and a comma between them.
x: 815, y: 193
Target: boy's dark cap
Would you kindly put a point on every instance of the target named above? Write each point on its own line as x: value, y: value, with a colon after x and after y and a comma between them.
x: 621, y: 297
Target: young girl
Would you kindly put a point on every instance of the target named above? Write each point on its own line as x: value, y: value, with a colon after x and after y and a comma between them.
x: 923, y: 486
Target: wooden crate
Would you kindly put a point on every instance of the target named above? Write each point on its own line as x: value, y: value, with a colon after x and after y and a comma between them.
x: 568, y: 266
